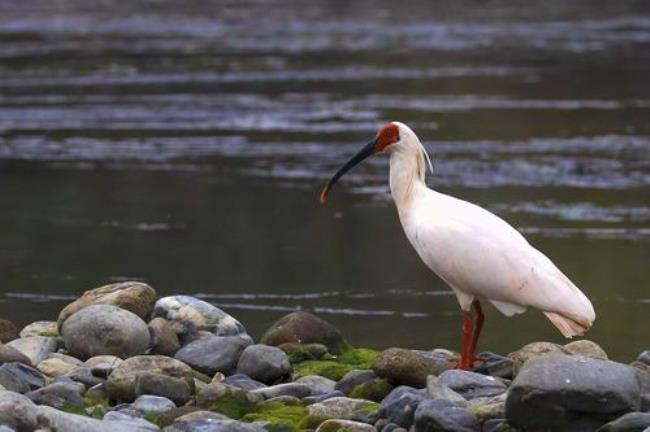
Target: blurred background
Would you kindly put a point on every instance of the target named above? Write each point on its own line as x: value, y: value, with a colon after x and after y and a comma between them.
x: 183, y: 143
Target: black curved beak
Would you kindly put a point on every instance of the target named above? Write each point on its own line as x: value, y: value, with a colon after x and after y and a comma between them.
x: 366, y: 151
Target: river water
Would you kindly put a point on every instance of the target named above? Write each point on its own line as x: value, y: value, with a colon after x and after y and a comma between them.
x: 184, y: 143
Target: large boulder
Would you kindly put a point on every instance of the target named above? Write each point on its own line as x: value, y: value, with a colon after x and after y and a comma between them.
x: 264, y: 363
x: 571, y: 393
x: 104, y: 329
x: 407, y: 367
x: 121, y: 384
x: 136, y: 297
x: 36, y: 348
x: 303, y: 327
x: 214, y: 354
x: 189, y: 315
x: 17, y: 411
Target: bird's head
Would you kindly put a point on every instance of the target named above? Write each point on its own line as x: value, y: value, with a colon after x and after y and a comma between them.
x: 390, y: 137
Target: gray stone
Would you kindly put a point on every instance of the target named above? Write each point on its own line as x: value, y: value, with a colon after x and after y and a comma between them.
x: 40, y: 328
x: 121, y: 383
x: 531, y: 351
x: 497, y: 425
x: 189, y: 315
x: 571, y: 393
x: 437, y: 390
x: 216, y: 392
x: 58, y: 364
x: 243, y: 381
x: 631, y: 422
x: 153, y: 404
x: 288, y: 389
x: 36, y: 348
x: 440, y: 415
x: 58, y: 395
x: 406, y: 367
x: 322, y: 397
x: 164, y: 340
x: 586, y: 348
x: 353, y: 378
x: 400, y: 405
x: 304, y: 328
x: 494, y: 365
x: 342, y: 408
x: 85, y: 376
x: 135, y: 297
x: 471, y: 384
x: 344, y: 425
x: 175, y: 389
x: 488, y: 408
x: 201, y: 415
x: 9, y: 354
x: 644, y: 357
x: 54, y: 420
x: 104, y: 329
x: 317, y: 384
x: 13, y: 374
x: 214, y: 354
x: 264, y: 363
x: 17, y: 411
x: 213, y: 425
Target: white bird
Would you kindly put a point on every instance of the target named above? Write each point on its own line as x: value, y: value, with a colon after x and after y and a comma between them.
x: 479, y: 255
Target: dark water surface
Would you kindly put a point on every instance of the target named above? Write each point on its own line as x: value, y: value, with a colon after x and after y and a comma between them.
x: 184, y: 143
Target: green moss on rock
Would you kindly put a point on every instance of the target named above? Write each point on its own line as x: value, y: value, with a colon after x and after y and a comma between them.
x: 283, y: 416
x: 361, y: 358
x: 302, y: 352
x: 335, y: 368
x: 234, y: 404
x: 374, y: 390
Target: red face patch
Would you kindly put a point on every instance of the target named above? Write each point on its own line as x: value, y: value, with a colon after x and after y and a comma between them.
x: 387, y: 135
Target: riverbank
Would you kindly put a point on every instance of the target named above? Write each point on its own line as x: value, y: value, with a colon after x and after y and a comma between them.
x: 120, y: 358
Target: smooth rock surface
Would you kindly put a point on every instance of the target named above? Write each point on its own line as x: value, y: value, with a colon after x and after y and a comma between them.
x: 335, y: 425
x: 214, y: 354
x: 213, y: 425
x: 104, y: 329
x: 471, y: 385
x: 442, y: 415
x: 531, y: 351
x: 147, y: 404
x: 436, y: 389
x: 164, y: 340
x: 288, y: 389
x: 400, y: 405
x: 40, y: 328
x: 243, y: 381
x: 30, y: 378
x: 317, y: 384
x: 56, y: 366
x: 36, y: 348
x: 406, y: 367
x: 176, y: 389
x: 121, y: 383
x: 8, y: 331
x: 571, y: 393
x: 17, y: 411
x: 135, y: 297
x: 304, y: 328
x: 58, y: 395
x: 9, y: 354
x: 586, y: 348
x: 189, y: 315
x: 353, y: 378
x: 264, y: 363
x: 632, y: 422
x: 340, y: 408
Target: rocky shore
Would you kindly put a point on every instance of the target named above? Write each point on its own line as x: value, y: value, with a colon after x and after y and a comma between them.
x: 121, y: 359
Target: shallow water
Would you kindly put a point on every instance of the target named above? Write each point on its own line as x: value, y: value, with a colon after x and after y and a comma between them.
x: 185, y: 143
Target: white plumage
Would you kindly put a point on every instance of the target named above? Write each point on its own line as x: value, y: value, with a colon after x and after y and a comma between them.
x: 479, y: 255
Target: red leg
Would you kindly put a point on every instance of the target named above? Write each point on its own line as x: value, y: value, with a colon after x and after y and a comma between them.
x: 478, y: 325
x: 465, y: 359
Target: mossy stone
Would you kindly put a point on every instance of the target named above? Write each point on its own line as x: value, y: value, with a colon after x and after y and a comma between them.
x: 336, y: 367
x: 302, y: 352
x: 280, y: 416
x: 374, y: 390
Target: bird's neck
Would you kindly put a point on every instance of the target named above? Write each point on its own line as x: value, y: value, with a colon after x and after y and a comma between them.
x: 407, y: 170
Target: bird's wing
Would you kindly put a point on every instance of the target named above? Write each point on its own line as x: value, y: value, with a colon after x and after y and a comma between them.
x: 481, y: 255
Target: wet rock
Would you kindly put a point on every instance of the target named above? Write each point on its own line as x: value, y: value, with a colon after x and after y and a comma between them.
x: 586, y: 348
x: 84, y: 376
x: 571, y: 393
x: 441, y: 415
x: 405, y: 367
x: 164, y: 340
x: 9, y: 354
x: 436, y: 389
x: 104, y: 329
x: 343, y: 408
x: 471, y: 384
x: 317, y: 384
x: 400, y: 405
x: 58, y: 365
x: 487, y: 408
x: 531, y: 351
x: 632, y: 422
x: 243, y: 381
x: 147, y: 404
x: 213, y: 425
x: 121, y: 383
x: 36, y: 348
x: 304, y: 328
x: 289, y: 389
x: 8, y: 331
x: 189, y: 315
x: 17, y: 411
x: 175, y: 389
x: 230, y: 401
x: 135, y: 297
x: 353, y: 378
x: 214, y: 354
x: 335, y: 425
x: 19, y: 375
x: 264, y: 363
x: 58, y: 395
x: 40, y: 328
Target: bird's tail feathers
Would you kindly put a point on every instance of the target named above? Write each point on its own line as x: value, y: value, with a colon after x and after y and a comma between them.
x: 568, y: 326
